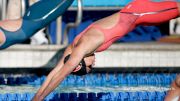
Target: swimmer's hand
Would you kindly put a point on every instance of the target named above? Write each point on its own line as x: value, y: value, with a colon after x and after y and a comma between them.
x: 37, y: 98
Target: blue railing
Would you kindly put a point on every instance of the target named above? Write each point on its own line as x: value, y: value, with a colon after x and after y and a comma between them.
x: 103, y: 3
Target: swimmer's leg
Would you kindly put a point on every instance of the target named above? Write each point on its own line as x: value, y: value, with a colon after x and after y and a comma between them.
x: 150, y: 12
x: 36, y: 17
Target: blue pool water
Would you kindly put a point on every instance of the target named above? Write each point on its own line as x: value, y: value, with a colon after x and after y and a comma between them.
x: 92, y: 87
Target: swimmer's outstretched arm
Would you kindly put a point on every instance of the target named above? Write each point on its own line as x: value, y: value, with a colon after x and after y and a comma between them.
x: 53, y: 72
x: 82, y: 49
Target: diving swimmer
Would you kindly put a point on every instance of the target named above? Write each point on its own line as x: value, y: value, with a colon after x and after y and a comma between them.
x: 101, y: 34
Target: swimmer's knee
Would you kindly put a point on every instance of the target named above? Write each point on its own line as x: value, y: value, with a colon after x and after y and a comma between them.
x: 2, y: 38
x: 177, y: 81
x: 1, y: 42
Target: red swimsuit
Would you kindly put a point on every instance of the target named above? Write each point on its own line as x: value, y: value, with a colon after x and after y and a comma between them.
x: 144, y: 12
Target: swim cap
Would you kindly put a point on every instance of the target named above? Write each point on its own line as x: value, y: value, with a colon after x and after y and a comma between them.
x: 78, y: 71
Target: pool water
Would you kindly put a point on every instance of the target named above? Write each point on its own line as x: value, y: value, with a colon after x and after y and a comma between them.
x: 69, y: 89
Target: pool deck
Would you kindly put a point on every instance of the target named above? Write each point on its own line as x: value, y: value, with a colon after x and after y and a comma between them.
x: 118, y: 55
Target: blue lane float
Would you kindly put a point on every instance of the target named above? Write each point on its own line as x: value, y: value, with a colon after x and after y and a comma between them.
x: 99, y: 79
x: 109, y: 96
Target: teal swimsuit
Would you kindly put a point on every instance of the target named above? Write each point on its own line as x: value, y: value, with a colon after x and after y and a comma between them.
x: 35, y: 18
